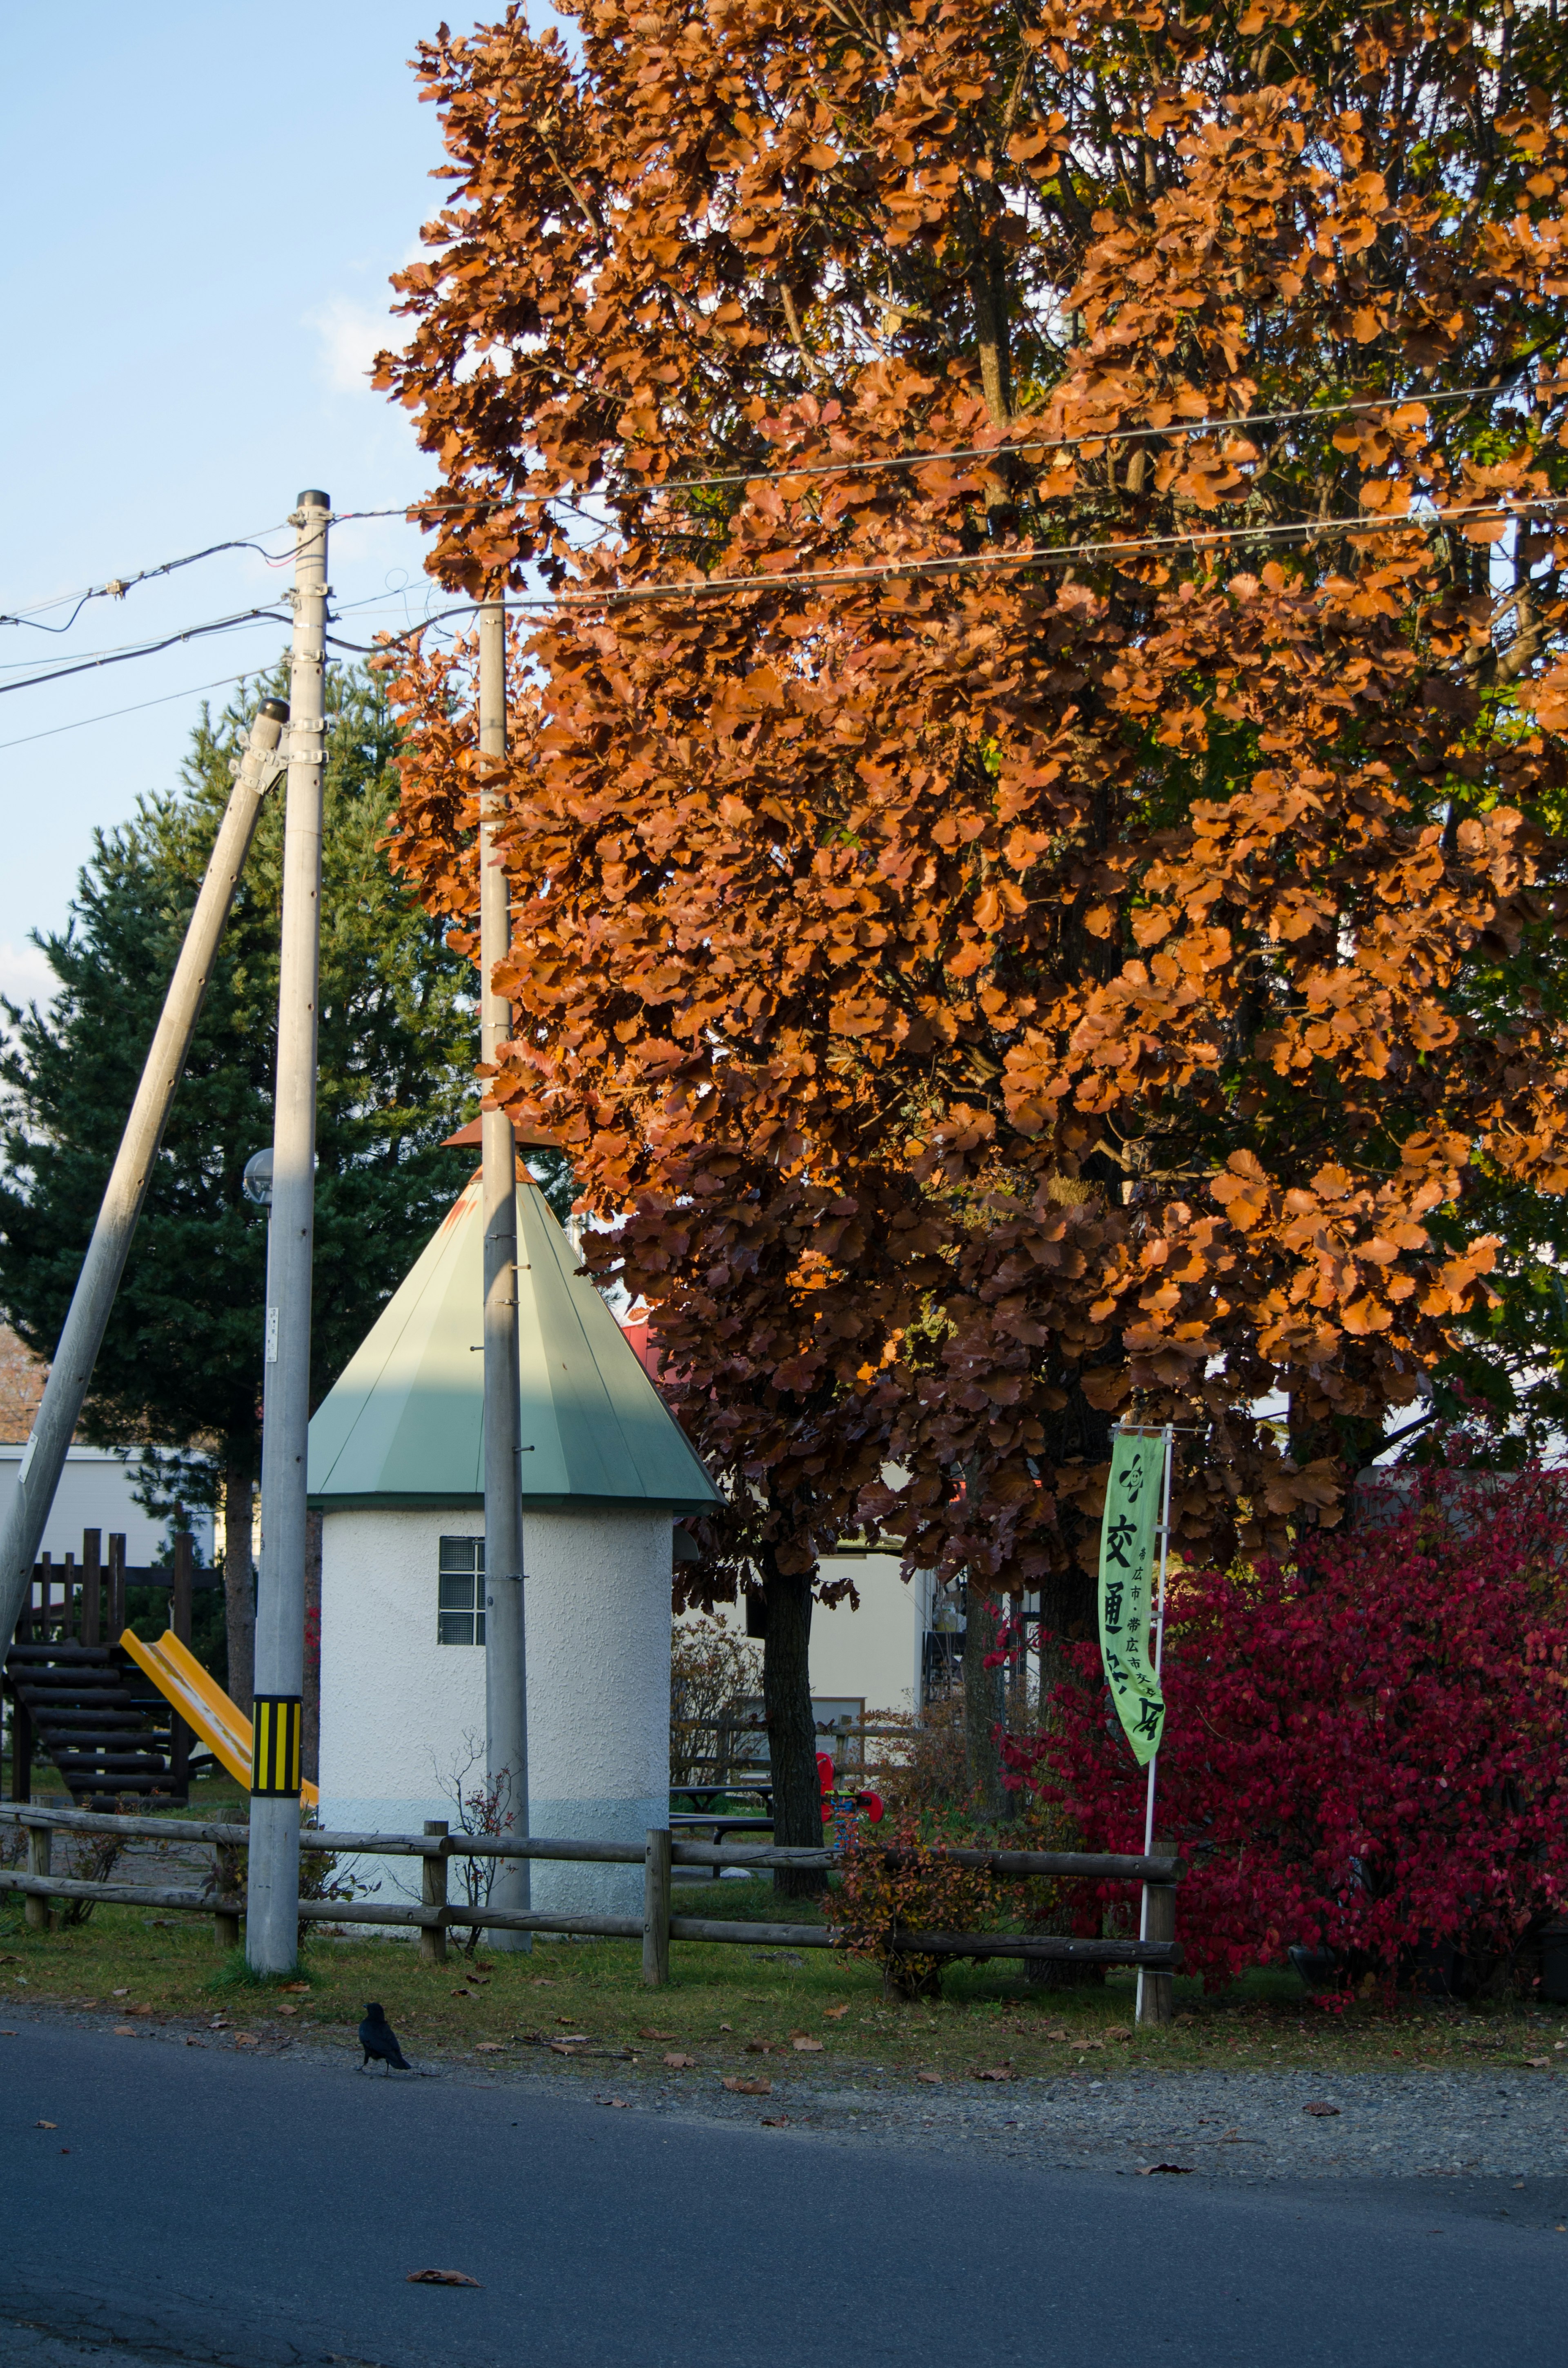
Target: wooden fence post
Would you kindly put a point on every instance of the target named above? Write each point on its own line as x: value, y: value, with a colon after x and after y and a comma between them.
x: 92, y: 1587
x: 35, y: 1907
x: 433, y: 1893
x: 226, y: 1872
x: 116, y: 1585
x: 656, y: 1908
x: 179, y: 1621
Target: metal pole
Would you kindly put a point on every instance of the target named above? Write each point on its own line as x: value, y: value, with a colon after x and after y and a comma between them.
x: 72, y: 1370
x: 1159, y: 1658
x: 271, y: 1918
x: 505, y: 1657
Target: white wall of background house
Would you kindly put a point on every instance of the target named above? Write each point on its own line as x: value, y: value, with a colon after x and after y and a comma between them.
x: 95, y: 1492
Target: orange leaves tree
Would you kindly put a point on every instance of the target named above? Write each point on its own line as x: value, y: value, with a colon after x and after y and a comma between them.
x: 1068, y: 923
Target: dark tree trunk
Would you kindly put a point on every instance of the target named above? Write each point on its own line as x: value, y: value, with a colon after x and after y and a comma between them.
x: 310, y: 1724
x: 983, y: 1704
x: 791, y: 1730
x: 239, y: 1579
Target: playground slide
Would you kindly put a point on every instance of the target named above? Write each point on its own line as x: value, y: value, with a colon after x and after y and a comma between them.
x: 202, y: 1702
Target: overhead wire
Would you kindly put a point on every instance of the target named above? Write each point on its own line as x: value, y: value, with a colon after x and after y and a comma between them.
x: 111, y: 715
x: 1024, y: 444
x: 115, y: 587
x: 147, y: 649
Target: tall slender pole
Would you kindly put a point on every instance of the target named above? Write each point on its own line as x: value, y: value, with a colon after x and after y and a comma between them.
x: 272, y: 1921
x: 44, y: 1456
x: 505, y: 1656
x: 1159, y: 1659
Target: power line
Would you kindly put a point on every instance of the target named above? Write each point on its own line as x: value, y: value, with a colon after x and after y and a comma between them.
x: 1025, y: 444
x: 148, y: 649
x: 117, y: 586
x: 1042, y: 556
x: 109, y: 716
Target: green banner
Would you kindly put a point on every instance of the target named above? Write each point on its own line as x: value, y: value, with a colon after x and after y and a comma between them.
x: 1127, y: 1569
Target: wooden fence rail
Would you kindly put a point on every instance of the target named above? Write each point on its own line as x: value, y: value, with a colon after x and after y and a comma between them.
x: 434, y: 1915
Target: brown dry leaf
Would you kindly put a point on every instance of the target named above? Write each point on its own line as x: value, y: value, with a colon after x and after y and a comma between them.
x: 934, y: 2078
x: 647, y: 2031
x: 288, y: 2010
x: 439, y: 2278
x: 8, y: 2035
x: 835, y: 2013
x: 191, y: 2041
x: 1084, y: 2046
x: 1057, y: 2030
x: 741, y: 2087
x: 1538, y: 2063
x: 678, y: 2063
x: 997, y: 2072
x: 617, y: 2104
x: 126, y: 2030
x: 775, y: 2121
x: 1118, y: 2030
x: 46, y: 2126
x: 569, y: 2043
x: 806, y: 2046
x: 760, y: 2047
x: 490, y: 2047
x: 1321, y: 2111
x: 246, y: 2039
x: 1177, y: 2169
x: 298, y: 1989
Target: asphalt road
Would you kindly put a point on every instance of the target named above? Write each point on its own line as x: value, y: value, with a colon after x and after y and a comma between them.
x: 198, y: 2206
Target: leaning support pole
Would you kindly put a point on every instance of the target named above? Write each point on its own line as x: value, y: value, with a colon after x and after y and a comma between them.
x: 72, y: 1370
x: 272, y: 1918
x: 505, y: 1660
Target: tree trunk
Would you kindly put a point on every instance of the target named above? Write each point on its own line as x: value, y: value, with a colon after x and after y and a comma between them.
x: 982, y: 1705
x: 310, y: 1724
x: 791, y: 1730
x: 239, y: 1578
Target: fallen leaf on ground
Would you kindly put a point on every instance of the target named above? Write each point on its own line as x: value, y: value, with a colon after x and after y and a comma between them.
x: 775, y: 2121
x: 7, y: 2034
x: 438, y: 2278
x: 1084, y: 2046
x: 1177, y: 2169
x: 246, y: 2039
x: 1538, y: 2063
x: 618, y: 2104
x: 806, y: 2046
x: 541, y: 1981
x: 742, y: 2087
x: 726, y: 2026
x: 138, y: 2010
x: 119, y: 1993
x: 678, y: 2063
x: 490, y: 2047
x: 288, y: 2010
x: 298, y: 1989
x: 194, y: 2042
x: 46, y: 2126
x: 125, y: 2031
x: 934, y: 2077
x: 1118, y: 2030
x: 569, y: 2046
x: 647, y: 2032
x: 995, y: 2072
x: 1321, y: 2112
x: 835, y: 2013
x: 1057, y: 2030
x: 759, y: 2046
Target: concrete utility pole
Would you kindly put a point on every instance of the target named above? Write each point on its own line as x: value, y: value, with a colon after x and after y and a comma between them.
x: 506, y: 1654
x: 271, y: 1919
x: 72, y: 1370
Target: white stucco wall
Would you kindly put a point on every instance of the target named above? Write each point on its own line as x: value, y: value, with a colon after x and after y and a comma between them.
x: 398, y: 1708
x: 872, y: 1653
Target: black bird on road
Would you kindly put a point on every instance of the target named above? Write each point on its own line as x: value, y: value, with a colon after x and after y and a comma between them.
x: 377, y: 2037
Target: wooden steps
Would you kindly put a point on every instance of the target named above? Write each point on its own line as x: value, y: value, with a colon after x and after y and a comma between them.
x: 91, y: 1710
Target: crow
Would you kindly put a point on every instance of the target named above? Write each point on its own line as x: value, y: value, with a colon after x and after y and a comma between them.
x: 377, y: 2037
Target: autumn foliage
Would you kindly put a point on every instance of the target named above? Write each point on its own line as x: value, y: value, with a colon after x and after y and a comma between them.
x: 1363, y: 1748
x: 1071, y: 923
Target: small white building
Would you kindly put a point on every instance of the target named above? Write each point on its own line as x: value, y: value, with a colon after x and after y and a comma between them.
x: 396, y: 1466
x: 97, y: 1491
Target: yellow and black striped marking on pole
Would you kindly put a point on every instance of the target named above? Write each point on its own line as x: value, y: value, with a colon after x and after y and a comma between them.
x: 275, y: 1757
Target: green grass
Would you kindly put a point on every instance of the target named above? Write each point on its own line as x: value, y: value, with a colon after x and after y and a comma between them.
x: 721, y: 1997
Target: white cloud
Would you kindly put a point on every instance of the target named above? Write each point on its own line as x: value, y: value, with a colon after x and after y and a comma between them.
x: 24, y: 975
x: 351, y: 336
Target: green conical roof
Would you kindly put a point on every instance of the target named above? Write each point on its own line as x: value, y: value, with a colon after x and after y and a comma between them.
x: 404, y: 1425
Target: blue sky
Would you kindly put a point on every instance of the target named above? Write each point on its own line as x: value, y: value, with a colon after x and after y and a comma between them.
x: 205, y: 204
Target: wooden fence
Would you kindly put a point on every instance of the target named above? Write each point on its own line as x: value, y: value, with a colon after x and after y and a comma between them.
x: 434, y: 1915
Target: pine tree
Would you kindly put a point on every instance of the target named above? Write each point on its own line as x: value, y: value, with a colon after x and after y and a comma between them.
x: 181, y: 1365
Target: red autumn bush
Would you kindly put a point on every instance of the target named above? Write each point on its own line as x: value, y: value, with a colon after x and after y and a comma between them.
x: 1364, y: 1748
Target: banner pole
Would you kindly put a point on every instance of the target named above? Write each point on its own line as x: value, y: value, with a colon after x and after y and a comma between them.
x: 1159, y: 1657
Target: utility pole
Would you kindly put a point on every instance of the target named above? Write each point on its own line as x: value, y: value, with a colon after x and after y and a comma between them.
x: 506, y: 1655
x: 72, y: 1370
x: 272, y: 1919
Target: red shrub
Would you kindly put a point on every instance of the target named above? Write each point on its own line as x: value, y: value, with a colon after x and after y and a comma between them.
x: 1364, y: 1750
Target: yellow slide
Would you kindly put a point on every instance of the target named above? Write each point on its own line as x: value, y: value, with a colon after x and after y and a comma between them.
x: 202, y: 1702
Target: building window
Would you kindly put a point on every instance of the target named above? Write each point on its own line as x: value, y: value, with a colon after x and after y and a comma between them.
x: 460, y: 1615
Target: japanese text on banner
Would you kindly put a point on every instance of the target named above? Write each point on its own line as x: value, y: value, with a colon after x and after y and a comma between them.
x: 1127, y: 1564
